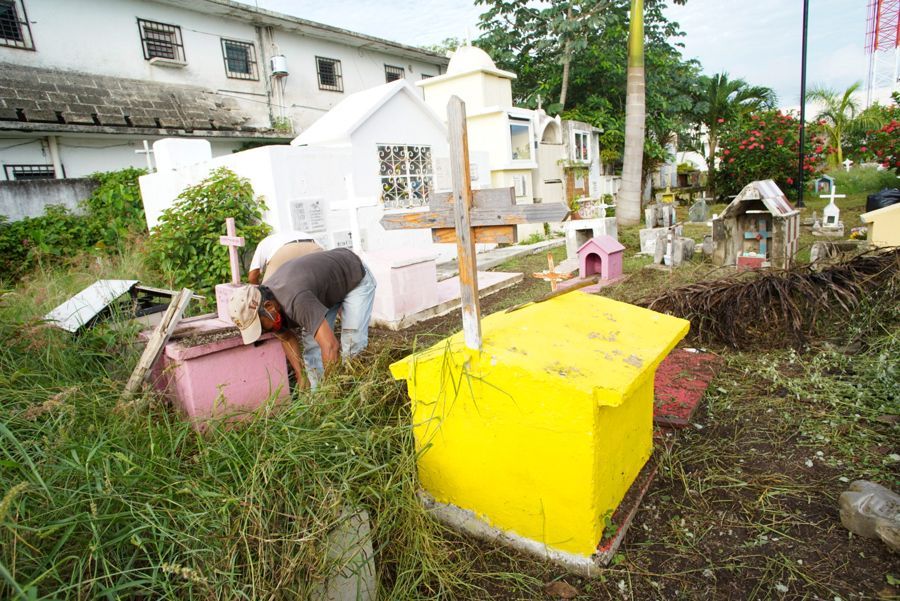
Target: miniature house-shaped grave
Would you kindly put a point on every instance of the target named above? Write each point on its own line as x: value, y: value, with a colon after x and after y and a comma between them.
x: 601, y: 255
x: 759, y: 228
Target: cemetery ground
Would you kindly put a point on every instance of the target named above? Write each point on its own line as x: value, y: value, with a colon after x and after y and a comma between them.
x: 101, y: 500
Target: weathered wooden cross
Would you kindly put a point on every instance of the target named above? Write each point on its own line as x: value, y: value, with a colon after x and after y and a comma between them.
x: 232, y: 241
x: 551, y: 275
x: 466, y: 217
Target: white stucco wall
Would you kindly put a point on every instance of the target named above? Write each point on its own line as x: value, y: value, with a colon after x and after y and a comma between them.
x: 102, y: 37
x: 84, y: 155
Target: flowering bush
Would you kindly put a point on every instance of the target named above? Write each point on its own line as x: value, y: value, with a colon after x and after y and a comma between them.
x: 880, y: 145
x: 764, y: 146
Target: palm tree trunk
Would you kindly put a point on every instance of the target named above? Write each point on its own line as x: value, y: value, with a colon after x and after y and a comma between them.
x: 628, y: 211
x: 567, y: 62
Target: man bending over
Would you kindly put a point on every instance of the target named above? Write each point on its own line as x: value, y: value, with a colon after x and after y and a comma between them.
x: 305, y: 293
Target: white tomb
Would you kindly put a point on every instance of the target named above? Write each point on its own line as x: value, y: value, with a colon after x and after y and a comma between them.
x: 378, y: 150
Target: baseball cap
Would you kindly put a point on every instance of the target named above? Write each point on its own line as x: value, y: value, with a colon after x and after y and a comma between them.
x: 242, y: 308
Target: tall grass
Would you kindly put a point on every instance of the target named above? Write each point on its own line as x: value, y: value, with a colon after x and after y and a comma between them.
x: 100, y: 503
x: 864, y: 179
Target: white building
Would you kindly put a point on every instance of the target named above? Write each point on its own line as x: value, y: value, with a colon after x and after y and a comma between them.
x: 83, y: 84
x: 380, y: 150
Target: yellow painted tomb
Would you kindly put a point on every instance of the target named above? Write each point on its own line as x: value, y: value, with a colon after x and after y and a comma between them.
x: 543, y: 431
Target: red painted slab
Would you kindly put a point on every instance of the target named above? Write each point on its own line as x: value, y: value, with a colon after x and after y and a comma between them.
x: 681, y: 380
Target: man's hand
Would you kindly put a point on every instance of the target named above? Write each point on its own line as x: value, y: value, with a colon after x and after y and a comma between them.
x: 329, y: 345
x: 291, y: 345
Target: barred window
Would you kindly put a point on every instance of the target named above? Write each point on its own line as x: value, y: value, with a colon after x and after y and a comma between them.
x: 25, y: 172
x: 240, y: 59
x: 161, y: 40
x: 329, y: 72
x: 407, y: 175
x: 392, y: 73
x: 15, y: 31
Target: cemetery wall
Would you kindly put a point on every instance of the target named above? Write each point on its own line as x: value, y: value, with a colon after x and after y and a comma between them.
x: 30, y: 198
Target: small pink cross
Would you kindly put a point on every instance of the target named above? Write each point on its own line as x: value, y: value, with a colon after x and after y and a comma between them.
x: 232, y: 242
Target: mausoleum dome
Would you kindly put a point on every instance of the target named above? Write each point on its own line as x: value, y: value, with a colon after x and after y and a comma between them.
x: 470, y: 58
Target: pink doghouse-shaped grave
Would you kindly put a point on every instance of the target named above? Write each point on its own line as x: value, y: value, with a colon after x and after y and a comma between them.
x: 601, y: 255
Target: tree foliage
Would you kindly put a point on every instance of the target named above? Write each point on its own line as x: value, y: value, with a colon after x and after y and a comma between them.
x: 764, y: 145
x: 523, y: 37
x: 185, y: 244
x: 838, y: 117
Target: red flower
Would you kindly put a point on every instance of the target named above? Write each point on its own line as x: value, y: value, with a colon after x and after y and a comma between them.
x: 720, y: 120
x: 726, y: 151
x: 780, y: 141
x: 741, y: 147
x: 863, y: 149
x: 731, y: 160
x: 790, y: 181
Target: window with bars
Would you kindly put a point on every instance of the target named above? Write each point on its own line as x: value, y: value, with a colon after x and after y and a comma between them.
x: 27, y: 172
x: 329, y: 71
x: 392, y: 73
x: 407, y: 175
x: 15, y: 31
x: 161, y: 40
x: 240, y: 59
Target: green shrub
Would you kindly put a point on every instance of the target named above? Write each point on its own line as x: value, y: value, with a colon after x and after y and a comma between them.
x: 115, y: 209
x: 113, y: 213
x: 185, y: 244
x: 863, y: 180
x: 48, y: 239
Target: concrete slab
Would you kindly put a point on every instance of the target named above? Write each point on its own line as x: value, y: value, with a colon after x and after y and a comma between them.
x: 491, y: 258
x: 489, y: 282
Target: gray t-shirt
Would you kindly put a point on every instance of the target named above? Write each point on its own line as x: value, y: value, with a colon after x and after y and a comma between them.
x: 306, y: 287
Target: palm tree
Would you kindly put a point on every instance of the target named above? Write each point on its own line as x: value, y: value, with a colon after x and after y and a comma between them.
x: 839, y: 114
x: 721, y: 100
x: 628, y: 211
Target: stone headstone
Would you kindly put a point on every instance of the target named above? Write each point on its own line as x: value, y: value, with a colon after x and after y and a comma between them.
x: 699, y: 211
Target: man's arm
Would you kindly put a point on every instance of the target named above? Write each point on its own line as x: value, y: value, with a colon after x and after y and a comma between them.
x: 253, y: 276
x: 291, y: 345
x: 329, y: 345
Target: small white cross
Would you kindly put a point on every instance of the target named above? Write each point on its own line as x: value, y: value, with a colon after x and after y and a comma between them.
x: 846, y: 164
x: 232, y: 242
x: 146, y: 152
x: 833, y: 194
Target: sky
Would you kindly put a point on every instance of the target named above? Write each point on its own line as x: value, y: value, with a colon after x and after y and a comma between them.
x: 757, y: 40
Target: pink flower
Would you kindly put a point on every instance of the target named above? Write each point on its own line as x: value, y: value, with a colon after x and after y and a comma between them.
x: 731, y: 160
x: 742, y: 147
x: 863, y: 149
x: 780, y: 142
x: 726, y: 151
x: 762, y: 146
x: 720, y: 120
x: 790, y: 181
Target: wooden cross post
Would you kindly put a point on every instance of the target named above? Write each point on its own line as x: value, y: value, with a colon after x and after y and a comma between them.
x: 232, y: 241
x: 467, y: 216
x: 462, y: 206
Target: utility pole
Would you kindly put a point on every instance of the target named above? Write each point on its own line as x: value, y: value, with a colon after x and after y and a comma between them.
x: 802, y: 106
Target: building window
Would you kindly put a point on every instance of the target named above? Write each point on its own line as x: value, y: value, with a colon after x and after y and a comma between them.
x: 161, y: 40
x: 15, y: 31
x: 329, y: 71
x: 520, y: 139
x: 24, y: 172
x: 240, y: 59
x: 582, y: 147
x: 406, y: 175
x: 392, y: 73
